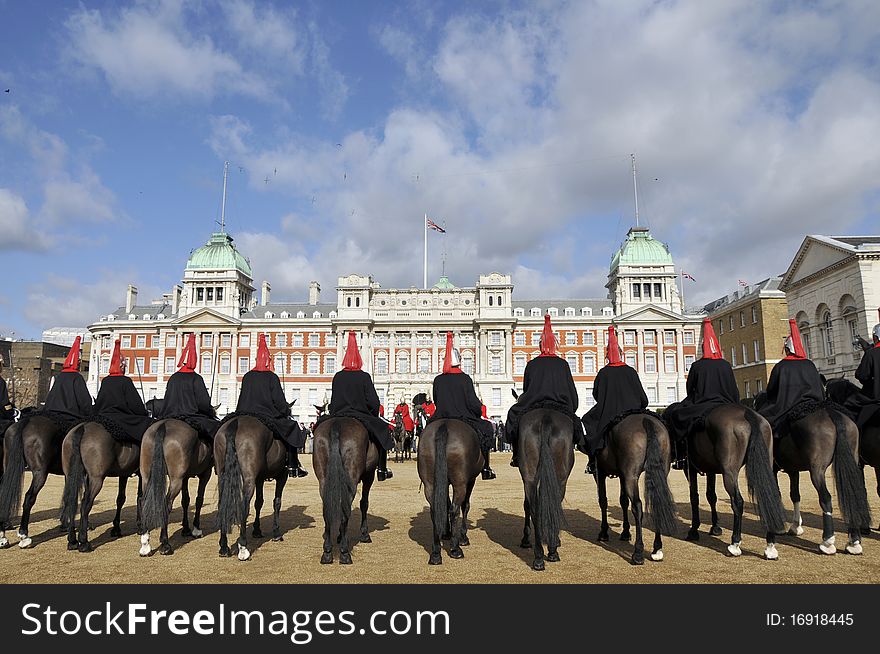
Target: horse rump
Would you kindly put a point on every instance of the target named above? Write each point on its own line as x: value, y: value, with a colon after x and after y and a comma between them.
x: 74, y: 477
x: 230, y: 484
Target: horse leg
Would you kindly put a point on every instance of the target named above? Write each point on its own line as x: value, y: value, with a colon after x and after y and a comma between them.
x: 625, y: 534
x: 694, y: 532
x: 200, y: 500
x: 276, y: 508
x: 186, y: 531
x: 247, y: 495
x: 632, y: 491
x: 794, y: 489
x: 526, y: 542
x: 344, y: 547
x: 38, y: 480
x: 116, y: 531
x: 435, y: 558
x: 258, y: 505
x: 817, y: 476
x: 92, y: 490
x: 603, y: 504
x: 458, y: 497
x: 138, y: 503
x: 464, y: 541
x: 367, y: 482
x: 712, y: 498
x: 537, y: 542
x: 731, y: 485
x: 173, y: 489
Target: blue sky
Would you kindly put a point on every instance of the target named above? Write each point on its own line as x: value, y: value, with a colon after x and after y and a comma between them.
x: 512, y: 122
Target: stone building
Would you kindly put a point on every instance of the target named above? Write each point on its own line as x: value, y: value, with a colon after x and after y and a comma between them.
x: 30, y: 367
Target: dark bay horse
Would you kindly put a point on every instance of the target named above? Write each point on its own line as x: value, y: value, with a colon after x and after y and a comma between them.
x: 638, y: 443
x: 246, y: 455
x: 820, y: 439
x: 172, y: 449
x: 33, y: 442
x: 732, y: 436
x: 546, y: 457
x: 89, y: 454
x: 343, y: 456
x: 449, y: 454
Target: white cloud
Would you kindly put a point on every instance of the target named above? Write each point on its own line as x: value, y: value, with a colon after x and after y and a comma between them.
x: 16, y: 225
x: 334, y: 88
x: 267, y: 32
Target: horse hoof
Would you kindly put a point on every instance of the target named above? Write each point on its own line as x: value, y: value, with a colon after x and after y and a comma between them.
x: 625, y: 537
x: 196, y: 533
x: 186, y: 533
x: 344, y: 558
x: 243, y: 553
x: 828, y: 549
x: 277, y: 539
x: 657, y: 556
x: 435, y: 559
x: 365, y: 538
x: 464, y: 541
x: 854, y: 548
x: 553, y: 557
x: 116, y: 532
x: 257, y: 533
x: 638, y: 559
x: 85, y: 547
x: 326, y: 557
x: 538, y: 564
x: 225, y: 552
x: 25, y: 543
x: 4, y: 543
x: 71, y: 547
x: 693, y: 535
x: 456, y: 553
x: 734, y: 549
x: 165, y: 549
x: 770, y: 552
x: 795, y: 530
x: 145, y: 550
x: 525, y: 543
x: 603, y: 537
x: 715, y: 531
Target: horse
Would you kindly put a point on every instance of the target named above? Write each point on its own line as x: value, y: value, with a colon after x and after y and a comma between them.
x: 638, y: 443
x: 171, y: 448
x: 733, y: 436
x: 35, y: 443
x: 343, y: 456
x: 402, y: 439
x: 246, y: 455
x: 449, y: 454
x: 90, y: 454
x: 822, y: 438
x: 546, y: 457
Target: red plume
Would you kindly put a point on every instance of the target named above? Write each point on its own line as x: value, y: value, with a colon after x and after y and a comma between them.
x: 548, y: 339
x: 352, y: 360
x: 71, y: 363
x: 613, y: 348
x: 188, y: 358
x: 264, y: 360
x: 711, y: 347
x: 116, y: 360
x: 799, y: 352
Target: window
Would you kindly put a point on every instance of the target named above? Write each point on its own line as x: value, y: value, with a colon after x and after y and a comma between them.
x: 646, y: 290
x: 244, y: 340
x: 519, y: 339
x: 281, y: 340
x: 381, y: 363
x: 826, y: 332
x: 494, y: 338
x: 220, y: 294
x: 748, y: 388
x: 519, y: 312
x: 805, y: 339
x: 754, y: 315
x: 720, y: 327
x: 731, y: 323
x: 745, y: 354
x: 637, y: 291
x: 424, y: 362
x: 536, y: 338
x: 297, y: 340
x: 316, y: 314
x: 630, y: 359
x: 242, y: 365
x: 571, y: 338
x: 650, y: 362
x: 572, y: 360
x: 759, y: 385
x: 284, y: 315
x: 207, y: 340
x: 225, y: 340
x: 141, y: 341
x: 650, y: 337
x: 669, y: 361
x: 589, y: 364
x: 586, y: 311
x: 553, y: 312
x: 535, y: 312
x: 589, y: 338
x: 330, y: 364
x: 206, y: 363
x: 300, y: 314
x: 402, y: 362
x: 200, y: 295
x: 403, y: 340
x: 423, y: 340
x: 651, y: 392
x: 330, y: 340
x: 154, y: 341
x: 224, y: 365
x: 314, y: 340
x: 153, y: 363
x: 467, y: 363
x: 569, y: 312
x: 490, y: 300
x: 495, y: 364
x: 688, y: 362
x: 314, y: 364
x: 688, y: 338
x: 496, y: 396
x: 671, y: 394
x: 658, y: 292
x: 519, y: 364
x: 852, y: 326
x: 105, y: 365
x: 668, y: 337
x: 733, y: 356
x: 296, y: 364
x: 126, y: 343
x: 629, y: 337
x: 742, y: 318
x: 757, y: 350
x: 467, y: 340
x: 313, y: 397
x: 169, y: 365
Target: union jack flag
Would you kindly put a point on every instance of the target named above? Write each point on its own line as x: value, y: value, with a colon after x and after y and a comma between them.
x: 432, y: 225
x: 742, y: 283
x: 687, y: 276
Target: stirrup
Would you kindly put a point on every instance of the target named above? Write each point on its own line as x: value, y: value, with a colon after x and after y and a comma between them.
x: 488, y: 473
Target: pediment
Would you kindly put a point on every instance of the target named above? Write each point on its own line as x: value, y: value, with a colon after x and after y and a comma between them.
x: 812, y: 257
x: 648, y: 313
x: 207, y: 318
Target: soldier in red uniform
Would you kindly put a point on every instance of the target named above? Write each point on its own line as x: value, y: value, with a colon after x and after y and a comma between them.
x: 403, y: 409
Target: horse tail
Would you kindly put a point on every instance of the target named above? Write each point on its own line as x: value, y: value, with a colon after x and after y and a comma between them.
x: 761, y: 482
x: 229, y: 511
x: 548, y: 492
x: 851, y: 494
x: 154, y: 512
x: 11, y: 484
x: 338, y: 492
x: 75, y: 478
x: 440, y: 500
x: 658, y: 498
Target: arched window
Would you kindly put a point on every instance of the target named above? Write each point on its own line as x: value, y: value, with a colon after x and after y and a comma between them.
x: 499, y: 300
x: 348, y: 302
x: 424, y: 361
x: 467, y: 363
x: 490, y: 300
x: 381, y: 363
x: 402, y: 362
x: 826, y: 329
x: 206, y: 363
x: 357, y: 302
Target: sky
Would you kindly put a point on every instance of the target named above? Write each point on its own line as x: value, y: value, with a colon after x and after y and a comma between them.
x: 511, y: 123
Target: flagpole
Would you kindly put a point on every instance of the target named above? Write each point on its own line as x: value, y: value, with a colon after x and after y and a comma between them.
x: 681, y: 276
x: 425, y: 277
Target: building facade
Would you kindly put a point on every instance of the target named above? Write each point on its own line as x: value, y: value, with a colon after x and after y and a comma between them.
x: 30, y: 367
x: 401, y: 332
x: 751, y: 325
x: 833, y: 291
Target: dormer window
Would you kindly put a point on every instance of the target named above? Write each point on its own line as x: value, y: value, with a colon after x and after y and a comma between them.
x: 285, y: 314
x: 131, y: 316
x: 535, y: 312
x: 317, y: 314
x: 586, y: 311
x: 569, y: 312
x: 300, y: 314
x: 269, y: 314
x: 146, y: 316
x: 160, y: 316
x: 553, y: 312
x: 519, y: 313
x: 606, y: 311
x: 332, y: 314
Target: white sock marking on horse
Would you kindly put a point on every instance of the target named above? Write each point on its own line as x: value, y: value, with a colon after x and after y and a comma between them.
x: 734, y: 549
x: 197, y: 533
x: 657, y: 556
x: 243, y: 553
x: 25, y: 542
x: 770, y: 553
x: 854, y: 547
x: 20, y: 534
x: 4, y: 542
x: 827, y: 547
x: 796, y: 528
x: 145, y: 545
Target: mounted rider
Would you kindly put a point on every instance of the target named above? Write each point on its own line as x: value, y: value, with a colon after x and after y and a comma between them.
x: 794, y: 383
x: 354, y: 396
x: 617, y: 391
x: 262, y: 396
x: 710, y: 383
x: 118, y: 406
x: 68, y: 400
x: 186, y: 396
x: 865, y: 404
x: 547, y: 383
x: 402, y: 409
x: 456, y: 399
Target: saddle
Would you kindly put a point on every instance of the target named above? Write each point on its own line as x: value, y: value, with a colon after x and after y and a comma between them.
x: 803, y: 409
x: 196, y: 426
x: 265, y: 421
x: 118, y: 433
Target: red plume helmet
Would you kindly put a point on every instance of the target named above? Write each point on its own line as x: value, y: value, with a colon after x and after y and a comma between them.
x: 613, y: 348
x: 71, y: 363
x: 352, y: 360
x: 264, y: 360
x: 449, y: 364
x: 797, y: 346
x: 548, y: 339
x: 711, y: 347
x: 116, y: 360
x: 188, y: 358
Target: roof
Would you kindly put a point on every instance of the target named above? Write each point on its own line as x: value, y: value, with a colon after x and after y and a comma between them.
x: 292, y: 308
x: 444, y: 284
x: 639, y: 248
x: 766, y: 287
x: 141, y: 310
x: 219, y: 254
x: 595, y: 304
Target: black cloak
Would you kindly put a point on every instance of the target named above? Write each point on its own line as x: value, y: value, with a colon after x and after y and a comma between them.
x: 354, y: 396
x: 617, y: 389
x: 455, y: 398
x: 119, y: 402
x: 69, y: 397
x: 186, y: 396
x: 792, y: 381
x: 261, y: 394
x: 547, y: 382
x: 710, y: 383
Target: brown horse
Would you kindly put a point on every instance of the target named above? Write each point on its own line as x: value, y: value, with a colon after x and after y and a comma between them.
x: 546, y: 457
x: 35, y: 443
x: 89, y: 454
x: 246, y: 455
x: 173, y: 449
x: 814, y: 442
x: 732, y: 436
x: 449, y: 454
x: 343, y: 456
x: 638, y: 443
x: 402, y: 439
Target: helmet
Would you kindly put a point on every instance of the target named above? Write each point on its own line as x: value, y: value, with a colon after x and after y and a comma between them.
x: 876, y: 331
x: 455, y: 359
x: 789, y: 344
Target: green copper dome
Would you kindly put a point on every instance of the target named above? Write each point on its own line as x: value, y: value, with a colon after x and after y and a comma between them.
x: 641, y: 248
x: 219, y: 254
x: 444, y: 284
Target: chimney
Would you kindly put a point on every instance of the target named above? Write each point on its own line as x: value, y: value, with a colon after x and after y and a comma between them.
x: 314, y: 293
x: 131, y: 297
x: 176, y: 292
x: 264, y: 299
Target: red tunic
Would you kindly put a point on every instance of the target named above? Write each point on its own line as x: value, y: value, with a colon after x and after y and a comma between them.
x: 408, y: 424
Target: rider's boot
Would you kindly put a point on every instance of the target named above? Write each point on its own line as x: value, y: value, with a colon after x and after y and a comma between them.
x: 488, y: 473
x: 382, y: 471
x: 514, y: 461
x: 294, y: 469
